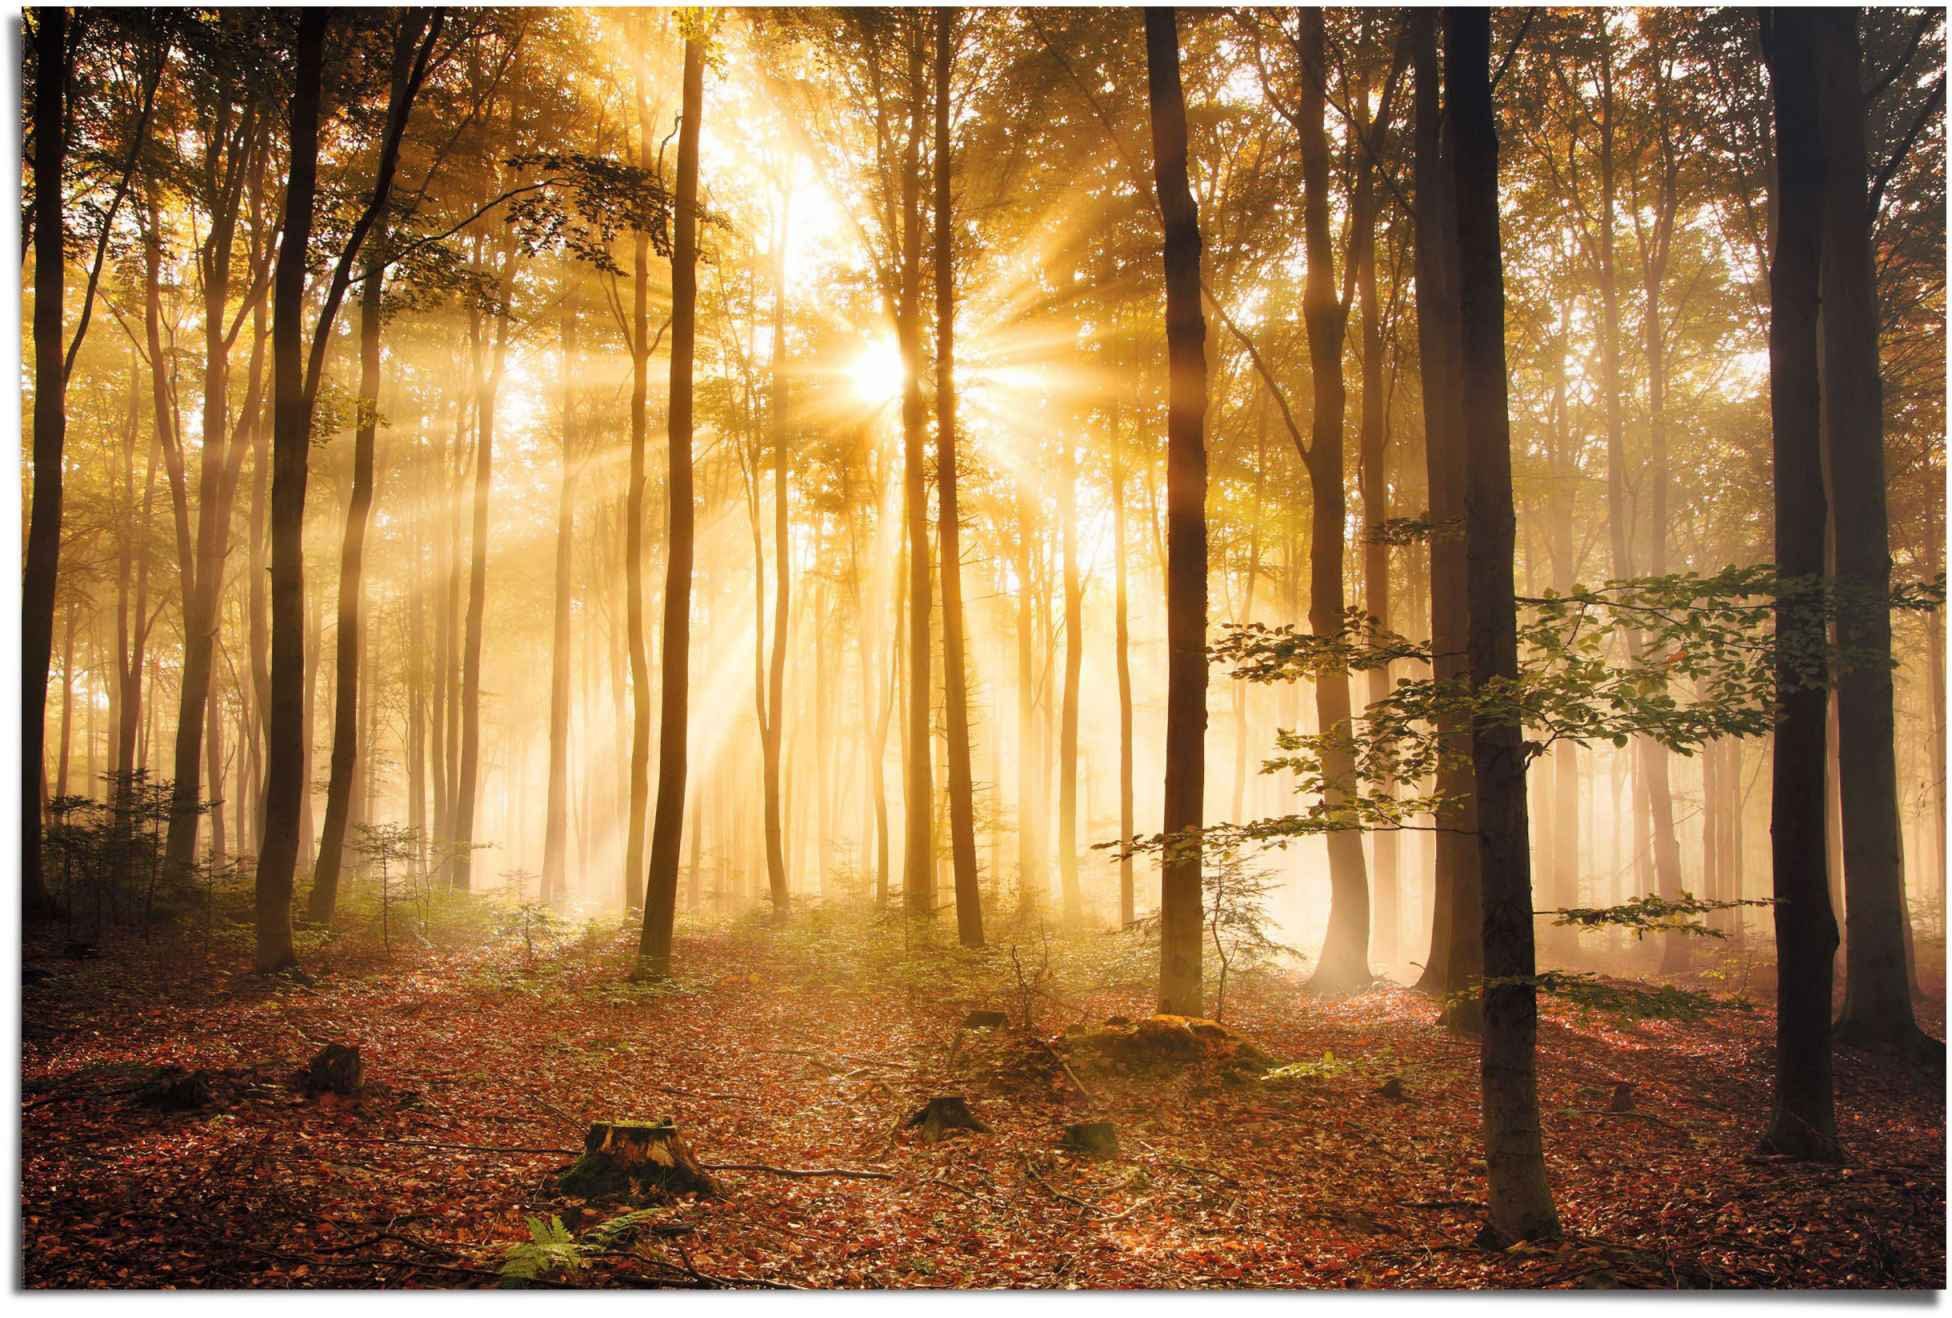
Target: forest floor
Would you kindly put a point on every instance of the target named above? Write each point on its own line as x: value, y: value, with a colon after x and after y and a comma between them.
x: 806, y: 1049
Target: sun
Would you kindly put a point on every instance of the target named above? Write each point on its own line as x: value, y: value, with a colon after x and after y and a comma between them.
x: 875, y: 374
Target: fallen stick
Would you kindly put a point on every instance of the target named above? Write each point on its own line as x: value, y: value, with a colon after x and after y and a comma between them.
x: 1067, y: 1070
x: 439, y: 1144
x: 856, y: 1173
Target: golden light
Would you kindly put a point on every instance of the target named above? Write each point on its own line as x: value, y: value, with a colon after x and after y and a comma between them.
x: 875, y: 375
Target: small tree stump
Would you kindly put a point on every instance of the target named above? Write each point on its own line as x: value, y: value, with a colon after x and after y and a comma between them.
x: 1094, y: 1139
x: 175, y: 1090
x: 1391, y: 1088
x: 335, y: 1070
x: 636, y: 1160
x: 984, y: 1020
x: 1622, y: 1100
x: 943, y: 1114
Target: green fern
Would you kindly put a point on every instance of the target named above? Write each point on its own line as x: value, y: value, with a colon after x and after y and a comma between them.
x: 550, y: 1248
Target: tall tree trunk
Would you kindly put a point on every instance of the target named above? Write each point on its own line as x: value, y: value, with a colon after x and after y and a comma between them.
x: 1181, y: 895
x: 667, y: 828
x: 346, y: 697
x: 640, y: 664
x: 955, y: 670
x: 1121, y: 649
x: 291, y: 443
x: 67, y: 699
x: 1519, y: 1200
x: 1456, y: 943
x: 555, y: 837
x: 468, y: 791
x: 1877, y: 1008
x: 50, y: 432
x: 772, y: 712
x: 1344, y: 964
x: 1067, y: 735
x: 918, y: 849
x: 1373, y: 468
x: 1030, y: 802
x: 1804, y: 1122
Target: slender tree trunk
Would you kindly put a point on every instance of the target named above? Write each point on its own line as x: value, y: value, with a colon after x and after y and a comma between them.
x: 772, y: 711
x: 1181, y: 895
x: 1344, y: 964
x: 1121, y: 648
x: 50, y: 432
x: 1519, y: 1200
x: 468, y: 791
x: 918, y: 850
x: 291, y: 443
x: 1373, y: 468
x: 667, y: 829
x: 1804, y: 1122
x: 1030, y: 841
x: 1067, y: 736
x: 1877, y: 1008
x: 640, y: 664
x: 955, y: 670
x: 67, y: 699
x: 555, y: 839
x: 346, y: 697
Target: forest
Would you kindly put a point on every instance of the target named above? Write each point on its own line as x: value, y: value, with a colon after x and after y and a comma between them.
x: 996, y: 647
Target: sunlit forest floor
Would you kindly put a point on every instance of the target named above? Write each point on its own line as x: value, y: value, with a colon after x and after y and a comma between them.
x: 486, y: 1055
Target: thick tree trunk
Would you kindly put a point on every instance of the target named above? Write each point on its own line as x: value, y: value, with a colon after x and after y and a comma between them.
x: 1877, y: 1008
x: 50, y: 432
x: 1804, y: 1123
x: 667, y: 828
x: 291, y: 443
x: 1456, y: 946
x: 1519, y: 1200
x: 955, y: 671
x: 1181, y: 896
x: 1344, y: 964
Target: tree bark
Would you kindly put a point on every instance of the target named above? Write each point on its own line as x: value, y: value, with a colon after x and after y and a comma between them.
x: 291, y: 444
x: 1804, y: 1121
x: 1181, y: 896
x: 640, y: 665
x: 346, y: 692
x: 1456, y: 946
x: 918, y: 843
x: 1121, y: 650
x: 1067, y: 730
x: 1344, y: 964
x: 667, y: 828
x: 555, y: 835
x: 43, y: 556
x: 1877, y: 1009
x: 1519, y: 1200
x: 955, y: 671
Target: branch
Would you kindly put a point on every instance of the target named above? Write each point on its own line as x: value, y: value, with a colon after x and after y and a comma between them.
x: 1932, y: 102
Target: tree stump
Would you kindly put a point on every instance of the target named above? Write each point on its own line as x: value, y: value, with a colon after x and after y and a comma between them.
x: 1622, y: 1100
x: 984, y: 1020
x: 1392, y: 1087
x: 335, y: 1070
x: 175, y: 1090
x: 943, y: 1114
x: 1094, y: 1139
x: 638, y: 1161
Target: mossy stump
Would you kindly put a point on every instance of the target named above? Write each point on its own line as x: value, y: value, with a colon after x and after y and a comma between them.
x: 638, y: 1161
x: 943, y: 1114
x: 336, y: 1069
x: 1094, y: 1139
x: 1163, y: 1042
